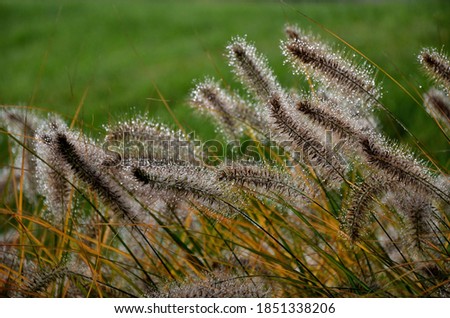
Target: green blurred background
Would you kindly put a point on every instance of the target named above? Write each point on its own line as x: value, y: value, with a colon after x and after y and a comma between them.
x: 112, y: 56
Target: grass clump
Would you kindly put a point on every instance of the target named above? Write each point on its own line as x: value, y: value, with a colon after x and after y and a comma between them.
x: 328, y: 206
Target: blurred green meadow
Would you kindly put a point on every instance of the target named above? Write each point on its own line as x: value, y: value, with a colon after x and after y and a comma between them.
x: 107, y: 59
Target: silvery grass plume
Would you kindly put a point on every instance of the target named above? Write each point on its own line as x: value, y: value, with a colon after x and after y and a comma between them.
x: 24, y: 278
x: 189, y: 182
x: 420, y: 221
x: 342, y: 132
x: 261, y: 178
x: 144, y: 139
x: 436, y: 65
x: 53, y: 172
x: 304, y: 139
x: 351, y: 82
x: 437, y: 102
x: 217, y: 284
x: 437, y: 105
x: 269, y: 182
x: 252, y: 70
x: 21, y: 123
x: 401, y: 166
x: 65, y: 154
x: 231, y: 113
x: 359, y: 205
x: 391, y: 166
x: 329, y: 117
x: 210, y: 97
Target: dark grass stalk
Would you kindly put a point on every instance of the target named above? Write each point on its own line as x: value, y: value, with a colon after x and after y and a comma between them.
x: 227, y: 244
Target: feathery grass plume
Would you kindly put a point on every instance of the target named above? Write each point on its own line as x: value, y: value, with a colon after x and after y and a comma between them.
x: 20, y: 121
x: 186, y: 182
x: 140, y: 138
x: 22, y: 278
x: 10, y: 262
x: 436, y: 65
x: 53, y: 172
x: 22, y: 124
x: 401, y: 166
x: 84, y: 160
x: 304, y: 138
x: 419, y: 213
x: 437, y: 105
x: 108, y: 188
x: 252, y: 69
x: 217, y: 284
x: 329, y: 118
x: 210, y: 97
x: 41, y: 279
x: 323, y: 64
x: 261, y: 178
x: 148, y: 200
x: 293, y: 32
x: 352, y: 110
x: 359, y: 204
x: 232, y: 113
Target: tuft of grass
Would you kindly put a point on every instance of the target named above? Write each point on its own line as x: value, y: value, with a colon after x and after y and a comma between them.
x: 309, y: 198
